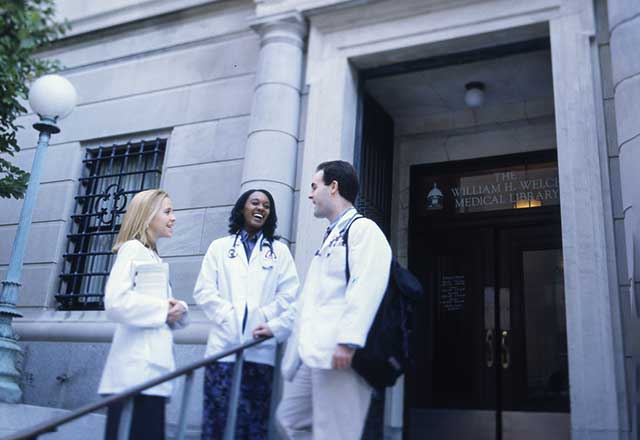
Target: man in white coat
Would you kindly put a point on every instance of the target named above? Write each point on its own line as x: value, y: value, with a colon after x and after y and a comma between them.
x: 323, y: 397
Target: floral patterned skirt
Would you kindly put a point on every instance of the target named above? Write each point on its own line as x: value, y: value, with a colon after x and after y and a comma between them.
x: 253, y: 408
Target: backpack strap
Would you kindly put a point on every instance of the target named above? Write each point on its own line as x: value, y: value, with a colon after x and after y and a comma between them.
x: 345, y: 239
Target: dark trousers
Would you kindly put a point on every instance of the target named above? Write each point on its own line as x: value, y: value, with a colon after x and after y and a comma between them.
x: 252, y: 422
x: 147, y: 422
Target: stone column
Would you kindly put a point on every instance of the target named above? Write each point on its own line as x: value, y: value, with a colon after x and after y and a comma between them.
x: 271, y: 156
x: 624, y: 28
x: 624, y: 25
x: 595, y: 362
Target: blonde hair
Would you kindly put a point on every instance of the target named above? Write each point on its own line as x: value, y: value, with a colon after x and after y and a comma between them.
x: 140, y: 212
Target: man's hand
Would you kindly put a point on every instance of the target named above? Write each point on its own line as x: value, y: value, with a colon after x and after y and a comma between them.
x: 176, y: 310
x: 262, y: 330
x: 342, y: 357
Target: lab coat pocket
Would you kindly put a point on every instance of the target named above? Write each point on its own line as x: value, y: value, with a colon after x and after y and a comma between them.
x: 227, y: 329
x: 335, y: 261
x: 159, y: 343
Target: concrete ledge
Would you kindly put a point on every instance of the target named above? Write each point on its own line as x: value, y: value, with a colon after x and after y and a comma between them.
x: 16, y: 417
x: 93, y: 327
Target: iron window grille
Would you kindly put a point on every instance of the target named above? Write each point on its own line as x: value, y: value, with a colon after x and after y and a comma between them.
x: 112, y: 175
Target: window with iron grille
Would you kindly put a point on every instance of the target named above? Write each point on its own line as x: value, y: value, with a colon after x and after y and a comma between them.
x: 111, y: 177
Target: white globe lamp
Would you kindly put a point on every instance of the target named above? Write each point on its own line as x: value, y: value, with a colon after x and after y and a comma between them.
x: 52, y: 97
x: 474, y: 95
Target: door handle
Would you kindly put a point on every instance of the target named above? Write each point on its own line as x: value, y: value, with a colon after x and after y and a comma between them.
x: 488, y: 347
x: 505, y: 353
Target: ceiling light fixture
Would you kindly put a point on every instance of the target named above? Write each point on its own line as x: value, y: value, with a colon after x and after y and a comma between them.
x: 474, y: 96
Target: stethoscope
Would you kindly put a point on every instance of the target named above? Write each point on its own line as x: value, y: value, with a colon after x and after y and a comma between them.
x: 268, y: 258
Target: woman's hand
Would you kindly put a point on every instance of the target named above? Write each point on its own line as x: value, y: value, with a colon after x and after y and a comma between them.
x: 262, y: 330
x: 176, y: 310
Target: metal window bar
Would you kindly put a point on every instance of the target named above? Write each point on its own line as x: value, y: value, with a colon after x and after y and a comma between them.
x: 127, y: 397
x: 111, y: 177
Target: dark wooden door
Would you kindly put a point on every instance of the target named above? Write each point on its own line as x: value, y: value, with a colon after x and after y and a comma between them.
x: 532, y: 343
x: 452, y: 391
x: 493, y: 357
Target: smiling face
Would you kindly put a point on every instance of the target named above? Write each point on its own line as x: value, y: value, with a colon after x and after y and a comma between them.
x: 256, y: 211
x: 322, y: 196
x: 161, y: 225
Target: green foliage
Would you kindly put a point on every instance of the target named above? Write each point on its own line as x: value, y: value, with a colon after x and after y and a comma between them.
x: 26, y: 27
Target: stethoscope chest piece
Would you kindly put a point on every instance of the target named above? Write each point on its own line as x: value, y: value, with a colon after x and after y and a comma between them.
x: 269, y: 258
x: 232, y: 253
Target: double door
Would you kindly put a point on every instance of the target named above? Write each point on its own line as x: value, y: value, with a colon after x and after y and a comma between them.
x: 492, y: 347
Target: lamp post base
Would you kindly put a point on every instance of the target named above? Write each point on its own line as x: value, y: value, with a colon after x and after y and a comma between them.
x: 10, y: 353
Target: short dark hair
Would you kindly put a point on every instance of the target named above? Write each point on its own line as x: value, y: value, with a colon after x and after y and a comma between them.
x: 345, y: 174
x: 236, y: 219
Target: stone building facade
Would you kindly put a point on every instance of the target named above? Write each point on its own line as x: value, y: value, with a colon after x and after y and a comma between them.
x: 241, y: 94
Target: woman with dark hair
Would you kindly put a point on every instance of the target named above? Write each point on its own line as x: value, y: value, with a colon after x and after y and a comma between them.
x: 246, y: 287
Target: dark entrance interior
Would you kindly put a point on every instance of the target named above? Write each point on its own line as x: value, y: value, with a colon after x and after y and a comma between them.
x: 479, y: 226
x: 491, y: 360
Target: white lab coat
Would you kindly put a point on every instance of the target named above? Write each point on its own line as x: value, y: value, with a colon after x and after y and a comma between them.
x: 331, y: 312
x: 268, y: 286
x: 142, y: 346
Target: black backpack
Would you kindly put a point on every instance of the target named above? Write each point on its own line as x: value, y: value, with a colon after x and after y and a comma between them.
x: 387, y: 351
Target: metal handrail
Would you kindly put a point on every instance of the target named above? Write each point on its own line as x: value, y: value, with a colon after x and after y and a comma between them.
x: 126, y: 396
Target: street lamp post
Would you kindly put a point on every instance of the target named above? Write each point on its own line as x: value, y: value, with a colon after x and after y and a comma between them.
x: 52, y: 97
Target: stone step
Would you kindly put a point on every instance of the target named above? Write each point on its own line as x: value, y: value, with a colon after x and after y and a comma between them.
x: 16, y: 417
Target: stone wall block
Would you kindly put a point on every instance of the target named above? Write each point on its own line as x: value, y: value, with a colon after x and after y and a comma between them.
x: 184, y: 273
x: 463, y: 118
x: 625, y: 41
x: 409, y: 126
x: 209, y: 141
x: 511, y: 111
x: 168, y: 70
x: 42, y: 363
x: 231, y: 137
x: 201, y: 186
x: 53, y: 203
x: 86, y: 363
x: 276, y: 149
x: 217, y: 22
x: 187, y: 233
x: 537, y: 108
x: 192, y: 144
x: 62, y: 162
x: 153, y: 111
x: 216, y: 225
x: 628, y: 109
x: 37, y: 281
x: 422, y: 149
x: 437, y: 122
x: 42, y: 245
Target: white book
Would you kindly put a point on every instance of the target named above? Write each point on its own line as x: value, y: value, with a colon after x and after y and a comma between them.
x: 151, y: 279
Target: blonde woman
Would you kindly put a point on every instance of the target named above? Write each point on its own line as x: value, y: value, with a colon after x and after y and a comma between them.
x: 142, y: 346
